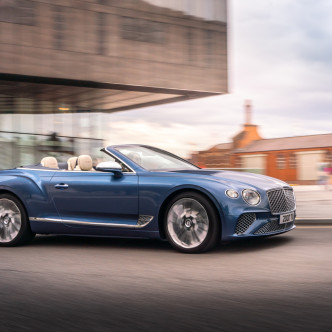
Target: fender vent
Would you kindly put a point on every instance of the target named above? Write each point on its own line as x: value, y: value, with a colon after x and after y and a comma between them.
x: 144, y: 220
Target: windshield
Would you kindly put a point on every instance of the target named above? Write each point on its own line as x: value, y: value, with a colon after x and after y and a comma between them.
x: 153, y: 159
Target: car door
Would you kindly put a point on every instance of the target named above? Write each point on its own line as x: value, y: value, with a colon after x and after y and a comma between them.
x: 95, y: 198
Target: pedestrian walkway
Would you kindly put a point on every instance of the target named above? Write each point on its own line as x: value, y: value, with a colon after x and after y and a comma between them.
x: 313, y: 202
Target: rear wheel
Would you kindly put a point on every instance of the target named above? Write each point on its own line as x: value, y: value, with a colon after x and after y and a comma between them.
x: 191, y: 223
x: 14, y: 226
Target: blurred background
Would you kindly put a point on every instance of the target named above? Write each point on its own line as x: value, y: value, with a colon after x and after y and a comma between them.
x: 66, y: 68
x: 238, y: 85
x: 235, y: 84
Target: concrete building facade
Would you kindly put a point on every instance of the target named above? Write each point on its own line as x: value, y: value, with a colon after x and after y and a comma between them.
x: 90, y: 57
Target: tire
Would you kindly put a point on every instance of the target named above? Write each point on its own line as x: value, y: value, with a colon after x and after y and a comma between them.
x: 14, y: 225
x: 191, y: 223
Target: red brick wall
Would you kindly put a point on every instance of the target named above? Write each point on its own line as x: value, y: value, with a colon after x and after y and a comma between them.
x: 287, y: 173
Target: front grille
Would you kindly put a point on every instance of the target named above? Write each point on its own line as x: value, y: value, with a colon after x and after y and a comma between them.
x: 244, y: 222
x: 274, y: 226
x: 281, y: 200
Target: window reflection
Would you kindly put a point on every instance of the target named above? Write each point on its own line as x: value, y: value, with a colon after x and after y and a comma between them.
x: 211, y: 10
x: 26, y: 138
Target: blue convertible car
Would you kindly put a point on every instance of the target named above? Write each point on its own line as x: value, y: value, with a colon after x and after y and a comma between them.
x: 141, y: 191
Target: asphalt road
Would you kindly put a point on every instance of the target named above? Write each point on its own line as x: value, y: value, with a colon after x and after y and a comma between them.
x: 282, y: 283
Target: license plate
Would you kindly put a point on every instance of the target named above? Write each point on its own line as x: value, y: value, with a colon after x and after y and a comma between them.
x: 285, y: 218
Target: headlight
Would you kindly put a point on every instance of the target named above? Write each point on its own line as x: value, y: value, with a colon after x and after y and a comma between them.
x: 232, y: 193
x: 251, y: 196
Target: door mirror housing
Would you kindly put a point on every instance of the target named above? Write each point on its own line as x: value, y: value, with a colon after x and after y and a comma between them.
x: 110, y: 166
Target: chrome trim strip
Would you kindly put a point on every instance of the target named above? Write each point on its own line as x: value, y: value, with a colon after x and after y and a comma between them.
x: 67, y: 170
x: 279, y: 188
x: 90, y: 223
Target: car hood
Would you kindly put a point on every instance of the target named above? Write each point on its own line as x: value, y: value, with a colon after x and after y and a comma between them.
x: 238, y: 180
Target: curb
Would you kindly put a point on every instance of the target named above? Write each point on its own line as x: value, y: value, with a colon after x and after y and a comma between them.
x: 313, y: 221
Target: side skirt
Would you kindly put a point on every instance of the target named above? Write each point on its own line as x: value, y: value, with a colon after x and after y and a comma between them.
x: 142, y: 222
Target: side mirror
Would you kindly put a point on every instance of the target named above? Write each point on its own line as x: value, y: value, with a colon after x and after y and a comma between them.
x: 110, y: 166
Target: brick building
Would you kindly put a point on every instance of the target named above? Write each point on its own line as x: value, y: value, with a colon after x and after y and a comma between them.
x: 292, y: 159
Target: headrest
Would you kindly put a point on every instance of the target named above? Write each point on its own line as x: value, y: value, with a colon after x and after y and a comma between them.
x: 49, y: 162
x: 84, y: 163
x: 71, y: 162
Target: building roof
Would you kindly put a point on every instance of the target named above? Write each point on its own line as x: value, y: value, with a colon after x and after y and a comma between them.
x: 223, y: 146
x: 289, y: 143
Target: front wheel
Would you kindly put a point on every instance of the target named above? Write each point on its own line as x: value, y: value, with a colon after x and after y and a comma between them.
x: 14, y: 226
x: 191, y: 223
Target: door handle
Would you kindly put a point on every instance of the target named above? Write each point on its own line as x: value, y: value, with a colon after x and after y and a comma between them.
x: 61, y: 186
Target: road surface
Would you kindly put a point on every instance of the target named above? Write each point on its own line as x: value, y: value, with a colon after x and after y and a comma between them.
x: 282, y: 283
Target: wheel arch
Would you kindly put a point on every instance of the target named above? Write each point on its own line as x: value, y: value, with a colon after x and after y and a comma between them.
x: 7, y: 191
x: 178, y: 191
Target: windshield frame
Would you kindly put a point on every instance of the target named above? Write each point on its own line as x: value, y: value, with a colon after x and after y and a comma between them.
x: 116, y: 149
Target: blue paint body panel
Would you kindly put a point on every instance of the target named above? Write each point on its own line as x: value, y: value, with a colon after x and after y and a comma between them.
x: 101, y: 199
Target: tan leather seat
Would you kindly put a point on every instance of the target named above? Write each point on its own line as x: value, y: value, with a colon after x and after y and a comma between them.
x: 84, y: 163
x: 71, y: 162
x: 49, y: 162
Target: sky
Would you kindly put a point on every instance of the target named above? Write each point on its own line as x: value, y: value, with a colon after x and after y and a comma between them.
x: 280, y: 57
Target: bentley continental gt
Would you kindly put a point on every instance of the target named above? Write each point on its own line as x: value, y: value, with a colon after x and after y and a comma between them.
x: 144, y: 192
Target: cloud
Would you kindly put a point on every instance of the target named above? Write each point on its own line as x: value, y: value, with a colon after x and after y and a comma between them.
x: 177, y: 138
x: 280, y: 57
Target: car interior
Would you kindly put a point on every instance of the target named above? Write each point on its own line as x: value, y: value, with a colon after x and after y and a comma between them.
x: 80, y: 163
x: 49, y: 162
x: 83, y: 163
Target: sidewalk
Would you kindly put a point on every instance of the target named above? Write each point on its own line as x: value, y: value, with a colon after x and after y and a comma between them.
x: 314, y: 205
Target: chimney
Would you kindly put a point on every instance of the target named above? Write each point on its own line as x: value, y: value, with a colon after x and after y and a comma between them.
x: 248, y: 111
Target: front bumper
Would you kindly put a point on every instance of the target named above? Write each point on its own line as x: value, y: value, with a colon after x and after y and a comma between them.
x: 251, y: 224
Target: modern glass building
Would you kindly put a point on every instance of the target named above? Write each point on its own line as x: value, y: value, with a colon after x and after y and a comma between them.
x: 66, y: 66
